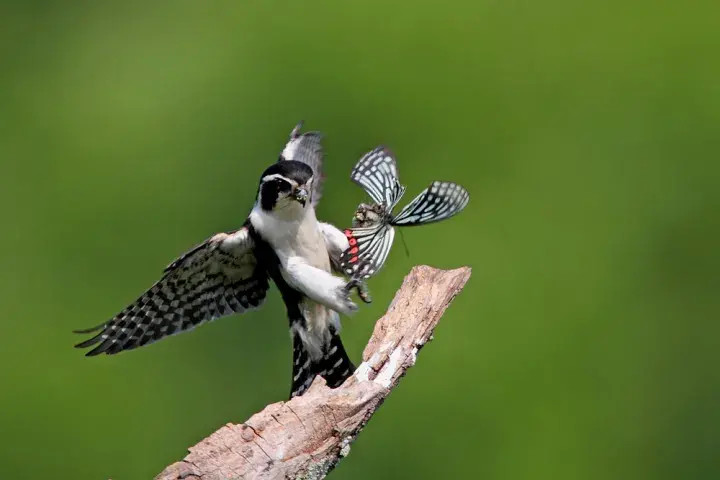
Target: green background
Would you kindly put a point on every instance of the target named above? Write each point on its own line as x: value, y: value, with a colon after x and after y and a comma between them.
x: 586, y: 342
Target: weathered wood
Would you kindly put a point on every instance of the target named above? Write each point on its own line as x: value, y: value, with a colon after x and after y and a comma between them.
x: 305, y: 437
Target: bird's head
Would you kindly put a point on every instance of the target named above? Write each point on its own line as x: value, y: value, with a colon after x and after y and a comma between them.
x: 286, y: 187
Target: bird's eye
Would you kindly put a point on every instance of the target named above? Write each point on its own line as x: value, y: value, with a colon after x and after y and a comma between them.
x: 283, y: 186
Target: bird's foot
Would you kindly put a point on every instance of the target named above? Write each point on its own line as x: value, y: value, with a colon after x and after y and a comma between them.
x: 361, y: 287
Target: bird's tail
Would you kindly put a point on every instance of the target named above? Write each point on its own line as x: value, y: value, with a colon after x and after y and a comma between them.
x: 333, y: 365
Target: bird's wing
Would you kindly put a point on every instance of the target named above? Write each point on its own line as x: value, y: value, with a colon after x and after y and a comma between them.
x: 377, y: 173
x: 306, y: 148
x: 439, y: 201
x: 219, y: 277
x: 335, y: 242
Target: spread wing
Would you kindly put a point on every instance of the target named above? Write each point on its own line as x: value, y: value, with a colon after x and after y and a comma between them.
x: 368, y: 249
x: 219, y: 277
x: 377, y: 173
x: 306, y: 148
x: 439, y: 201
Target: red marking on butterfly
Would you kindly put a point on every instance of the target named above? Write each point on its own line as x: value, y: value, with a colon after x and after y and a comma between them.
x: 353, y: 260
x: 348, y: 233
x: 354, y: 250
x: 353, y: 242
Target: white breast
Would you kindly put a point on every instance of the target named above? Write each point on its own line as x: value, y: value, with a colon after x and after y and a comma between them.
x: 299, y: 242
x: 293, y: 236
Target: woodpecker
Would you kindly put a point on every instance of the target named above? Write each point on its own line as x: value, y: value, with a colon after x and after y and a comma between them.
x: 282, y: 241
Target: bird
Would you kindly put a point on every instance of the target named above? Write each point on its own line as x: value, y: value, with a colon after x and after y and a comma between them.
x: 280, y: 241
x: 372, y: 234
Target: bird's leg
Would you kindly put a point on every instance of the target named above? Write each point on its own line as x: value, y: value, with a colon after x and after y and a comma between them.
x: 319, y: 285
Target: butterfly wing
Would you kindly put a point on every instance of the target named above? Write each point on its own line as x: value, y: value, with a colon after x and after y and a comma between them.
x: 439, y: 201
x: 368, y: 250
x: 377, y: 173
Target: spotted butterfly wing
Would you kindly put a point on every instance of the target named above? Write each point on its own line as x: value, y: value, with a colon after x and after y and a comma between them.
x: 368, y: 250
x: 439, y: 201
x: 377, y: 173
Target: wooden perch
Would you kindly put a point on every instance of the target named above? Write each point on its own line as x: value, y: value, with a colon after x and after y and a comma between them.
x: 305, y: 437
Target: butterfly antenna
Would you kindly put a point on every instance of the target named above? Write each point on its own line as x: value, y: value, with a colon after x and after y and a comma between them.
x: 407, y: 252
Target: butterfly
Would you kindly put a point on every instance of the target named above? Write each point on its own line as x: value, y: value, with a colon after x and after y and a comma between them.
x: 372, y: 233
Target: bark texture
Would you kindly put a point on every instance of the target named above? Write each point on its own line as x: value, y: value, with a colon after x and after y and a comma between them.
x: 305, y: 437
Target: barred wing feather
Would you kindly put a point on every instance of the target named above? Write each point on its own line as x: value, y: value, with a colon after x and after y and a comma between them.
x: 306, y: 148
x: 219, y: 277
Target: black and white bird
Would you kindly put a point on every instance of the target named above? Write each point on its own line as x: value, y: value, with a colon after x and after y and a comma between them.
x: 282, y: 241
x: 372, y: 235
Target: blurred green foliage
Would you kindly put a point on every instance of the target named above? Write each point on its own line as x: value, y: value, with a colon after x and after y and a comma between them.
x: 584, y: 346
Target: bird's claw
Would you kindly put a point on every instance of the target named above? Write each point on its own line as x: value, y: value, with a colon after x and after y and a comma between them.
x: 361, y: 287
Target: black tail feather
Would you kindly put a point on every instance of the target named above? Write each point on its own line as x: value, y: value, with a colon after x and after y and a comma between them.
x: 302, y: 371
x: 334, y: 366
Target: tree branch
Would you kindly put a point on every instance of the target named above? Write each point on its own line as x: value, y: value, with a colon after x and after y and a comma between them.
x: 305, y: 437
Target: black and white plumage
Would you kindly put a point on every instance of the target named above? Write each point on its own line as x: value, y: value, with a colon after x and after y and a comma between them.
x: 372, y: 235
x: 282, y: 241
x: 219, y: 277
x: 306, y: 148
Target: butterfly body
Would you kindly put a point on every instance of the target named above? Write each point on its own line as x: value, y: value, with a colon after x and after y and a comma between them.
x: 369, y: 214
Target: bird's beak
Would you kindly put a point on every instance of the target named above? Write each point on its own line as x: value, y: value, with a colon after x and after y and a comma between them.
x: 301, y: 195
